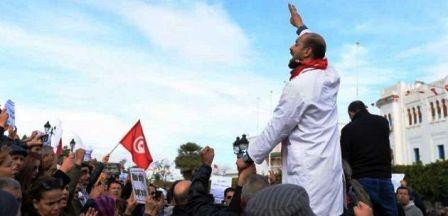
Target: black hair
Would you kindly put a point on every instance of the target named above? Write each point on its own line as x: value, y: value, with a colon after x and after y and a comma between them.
x: 44, y: 184
x: 404, y: 188
x: 227, y: 190
x: 357, y: 106
x: 112, y: 181
x: 317, y: 44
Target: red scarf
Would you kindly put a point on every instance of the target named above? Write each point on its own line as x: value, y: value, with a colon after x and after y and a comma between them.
x: 316, y: 64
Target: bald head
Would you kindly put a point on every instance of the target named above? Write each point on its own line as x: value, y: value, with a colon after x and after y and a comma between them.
x: 316, y: 43
x: 180, y: 192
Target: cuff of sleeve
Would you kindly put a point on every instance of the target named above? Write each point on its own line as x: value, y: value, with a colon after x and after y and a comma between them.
x: 302, y: 30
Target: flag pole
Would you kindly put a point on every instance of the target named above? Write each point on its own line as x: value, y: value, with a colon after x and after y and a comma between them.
x: 114, y: 148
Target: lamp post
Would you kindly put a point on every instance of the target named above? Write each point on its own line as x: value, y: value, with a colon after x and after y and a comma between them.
x: 72, y: 145
x: 47, y: 127
x: 240, y: 146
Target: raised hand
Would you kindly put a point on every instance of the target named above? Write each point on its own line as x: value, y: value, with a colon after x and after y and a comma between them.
x: 207, y: 154
x: 79, y: 156
x: 68, y: 163
x: 245, y: 173
x: 3, y: 118
x: 295, y: 19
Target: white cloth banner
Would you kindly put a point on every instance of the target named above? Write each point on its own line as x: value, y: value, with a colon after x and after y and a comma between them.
x: 396, y: 178
x: 138, y: 179
x: 218, y: 185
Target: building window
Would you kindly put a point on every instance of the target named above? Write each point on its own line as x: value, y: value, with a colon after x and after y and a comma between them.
x: 433, y: 112
x: 409, y: 117
x: 391, y: 124
x: 419, y: 113
x: 439, y: 111
x: 441, y: 152
x: 415, y: 115
x: 444, y: 108
x: 417, y: 155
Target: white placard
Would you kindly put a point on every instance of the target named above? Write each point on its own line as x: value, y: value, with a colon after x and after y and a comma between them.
x: 10, y: 109
x: 138, y: 179
x: 218, y: 186
x: 396, y: 178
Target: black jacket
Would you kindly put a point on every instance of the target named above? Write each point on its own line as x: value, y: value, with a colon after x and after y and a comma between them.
x: 199, y: 200
x: 365, y: 146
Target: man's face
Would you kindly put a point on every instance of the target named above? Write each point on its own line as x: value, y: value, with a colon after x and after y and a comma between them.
x: 48, y: 159
x: 115, y: 190
x: 351, y: 114
x: 36, y: 149
x: 403, y: 196
x: 6, y: 168
x: 17, y: 162
x: 228, y: 197
x: 84, y: 180
x: 298, y: 51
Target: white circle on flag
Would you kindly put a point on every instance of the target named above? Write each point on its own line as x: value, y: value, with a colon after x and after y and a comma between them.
x: 139, y: 145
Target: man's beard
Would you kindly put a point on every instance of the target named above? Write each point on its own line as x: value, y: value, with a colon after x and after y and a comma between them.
x: 293, y: 63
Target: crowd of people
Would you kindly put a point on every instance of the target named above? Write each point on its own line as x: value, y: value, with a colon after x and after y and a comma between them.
x: 321, y: 174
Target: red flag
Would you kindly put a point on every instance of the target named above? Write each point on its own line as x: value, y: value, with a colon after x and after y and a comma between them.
x: 59, y: 149
x: 134, y: 141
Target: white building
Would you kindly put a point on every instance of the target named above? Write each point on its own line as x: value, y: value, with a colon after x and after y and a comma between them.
x: 418, y: 118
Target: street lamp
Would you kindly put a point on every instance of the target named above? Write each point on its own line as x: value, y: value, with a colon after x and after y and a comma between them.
x: 240, y: 146
x: 72, y: 145
x: 47, y: 127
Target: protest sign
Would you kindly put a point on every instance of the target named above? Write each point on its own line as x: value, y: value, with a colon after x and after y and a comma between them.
x: 10, y: 109
x: 218, y: 185
x: 138, y: 179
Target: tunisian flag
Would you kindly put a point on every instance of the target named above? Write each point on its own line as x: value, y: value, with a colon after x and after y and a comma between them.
x: 134, y: 141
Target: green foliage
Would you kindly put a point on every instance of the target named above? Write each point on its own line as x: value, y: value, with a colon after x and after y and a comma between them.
x: 429, y: 181
x: 188, y: 159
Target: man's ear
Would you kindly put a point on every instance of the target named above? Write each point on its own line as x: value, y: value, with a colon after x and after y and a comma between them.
x: 308, y: 52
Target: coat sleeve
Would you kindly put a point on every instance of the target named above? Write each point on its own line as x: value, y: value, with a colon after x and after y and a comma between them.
x: 94, y: 177
x: 286, y: 117
x: 345, y: 145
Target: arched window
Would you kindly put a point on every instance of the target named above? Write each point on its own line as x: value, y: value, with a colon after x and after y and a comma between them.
x: 439, y: 111
x: 419, y: 113
x: 409, y: 117
x: 444, y: 108
x: 414, y: 114
x: 433, y: 112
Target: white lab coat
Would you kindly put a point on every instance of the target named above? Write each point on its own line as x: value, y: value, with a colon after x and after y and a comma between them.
x: 306, y: 123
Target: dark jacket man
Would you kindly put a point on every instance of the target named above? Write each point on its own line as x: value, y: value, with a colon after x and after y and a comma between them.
x: 365, y: 146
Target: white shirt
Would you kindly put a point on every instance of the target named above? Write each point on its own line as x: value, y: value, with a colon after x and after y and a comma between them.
x: 306, y: 123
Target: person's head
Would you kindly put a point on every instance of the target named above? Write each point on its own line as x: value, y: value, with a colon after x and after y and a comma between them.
x: 48, y: 157
x: 290, y: 199
x: 85, y: 169
x: 65, y: 193
x: 355, y: 107
x: 18, y: 154
x: 8, y: 204
x: 13, y: 187
x: 6, y: 163
x: 228, y: 195
x: 253, y: 184
x: 46, y: 196
x: 114, y: 188
x: 309, y: 46
x: 180, y: 192
x: 403, y: 196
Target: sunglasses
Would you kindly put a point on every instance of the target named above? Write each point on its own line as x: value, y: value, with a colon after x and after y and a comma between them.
x: 229, y: 197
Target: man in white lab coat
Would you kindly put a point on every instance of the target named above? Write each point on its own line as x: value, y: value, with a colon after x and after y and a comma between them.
x: 306, y: 123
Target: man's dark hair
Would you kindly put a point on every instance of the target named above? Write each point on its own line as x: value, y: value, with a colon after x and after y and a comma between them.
x: 227, y: 190
x: 317, y: 44
x: 357, y: 106
x: 112, y: 181
x: 85, y: 164
x: 403, y: 188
